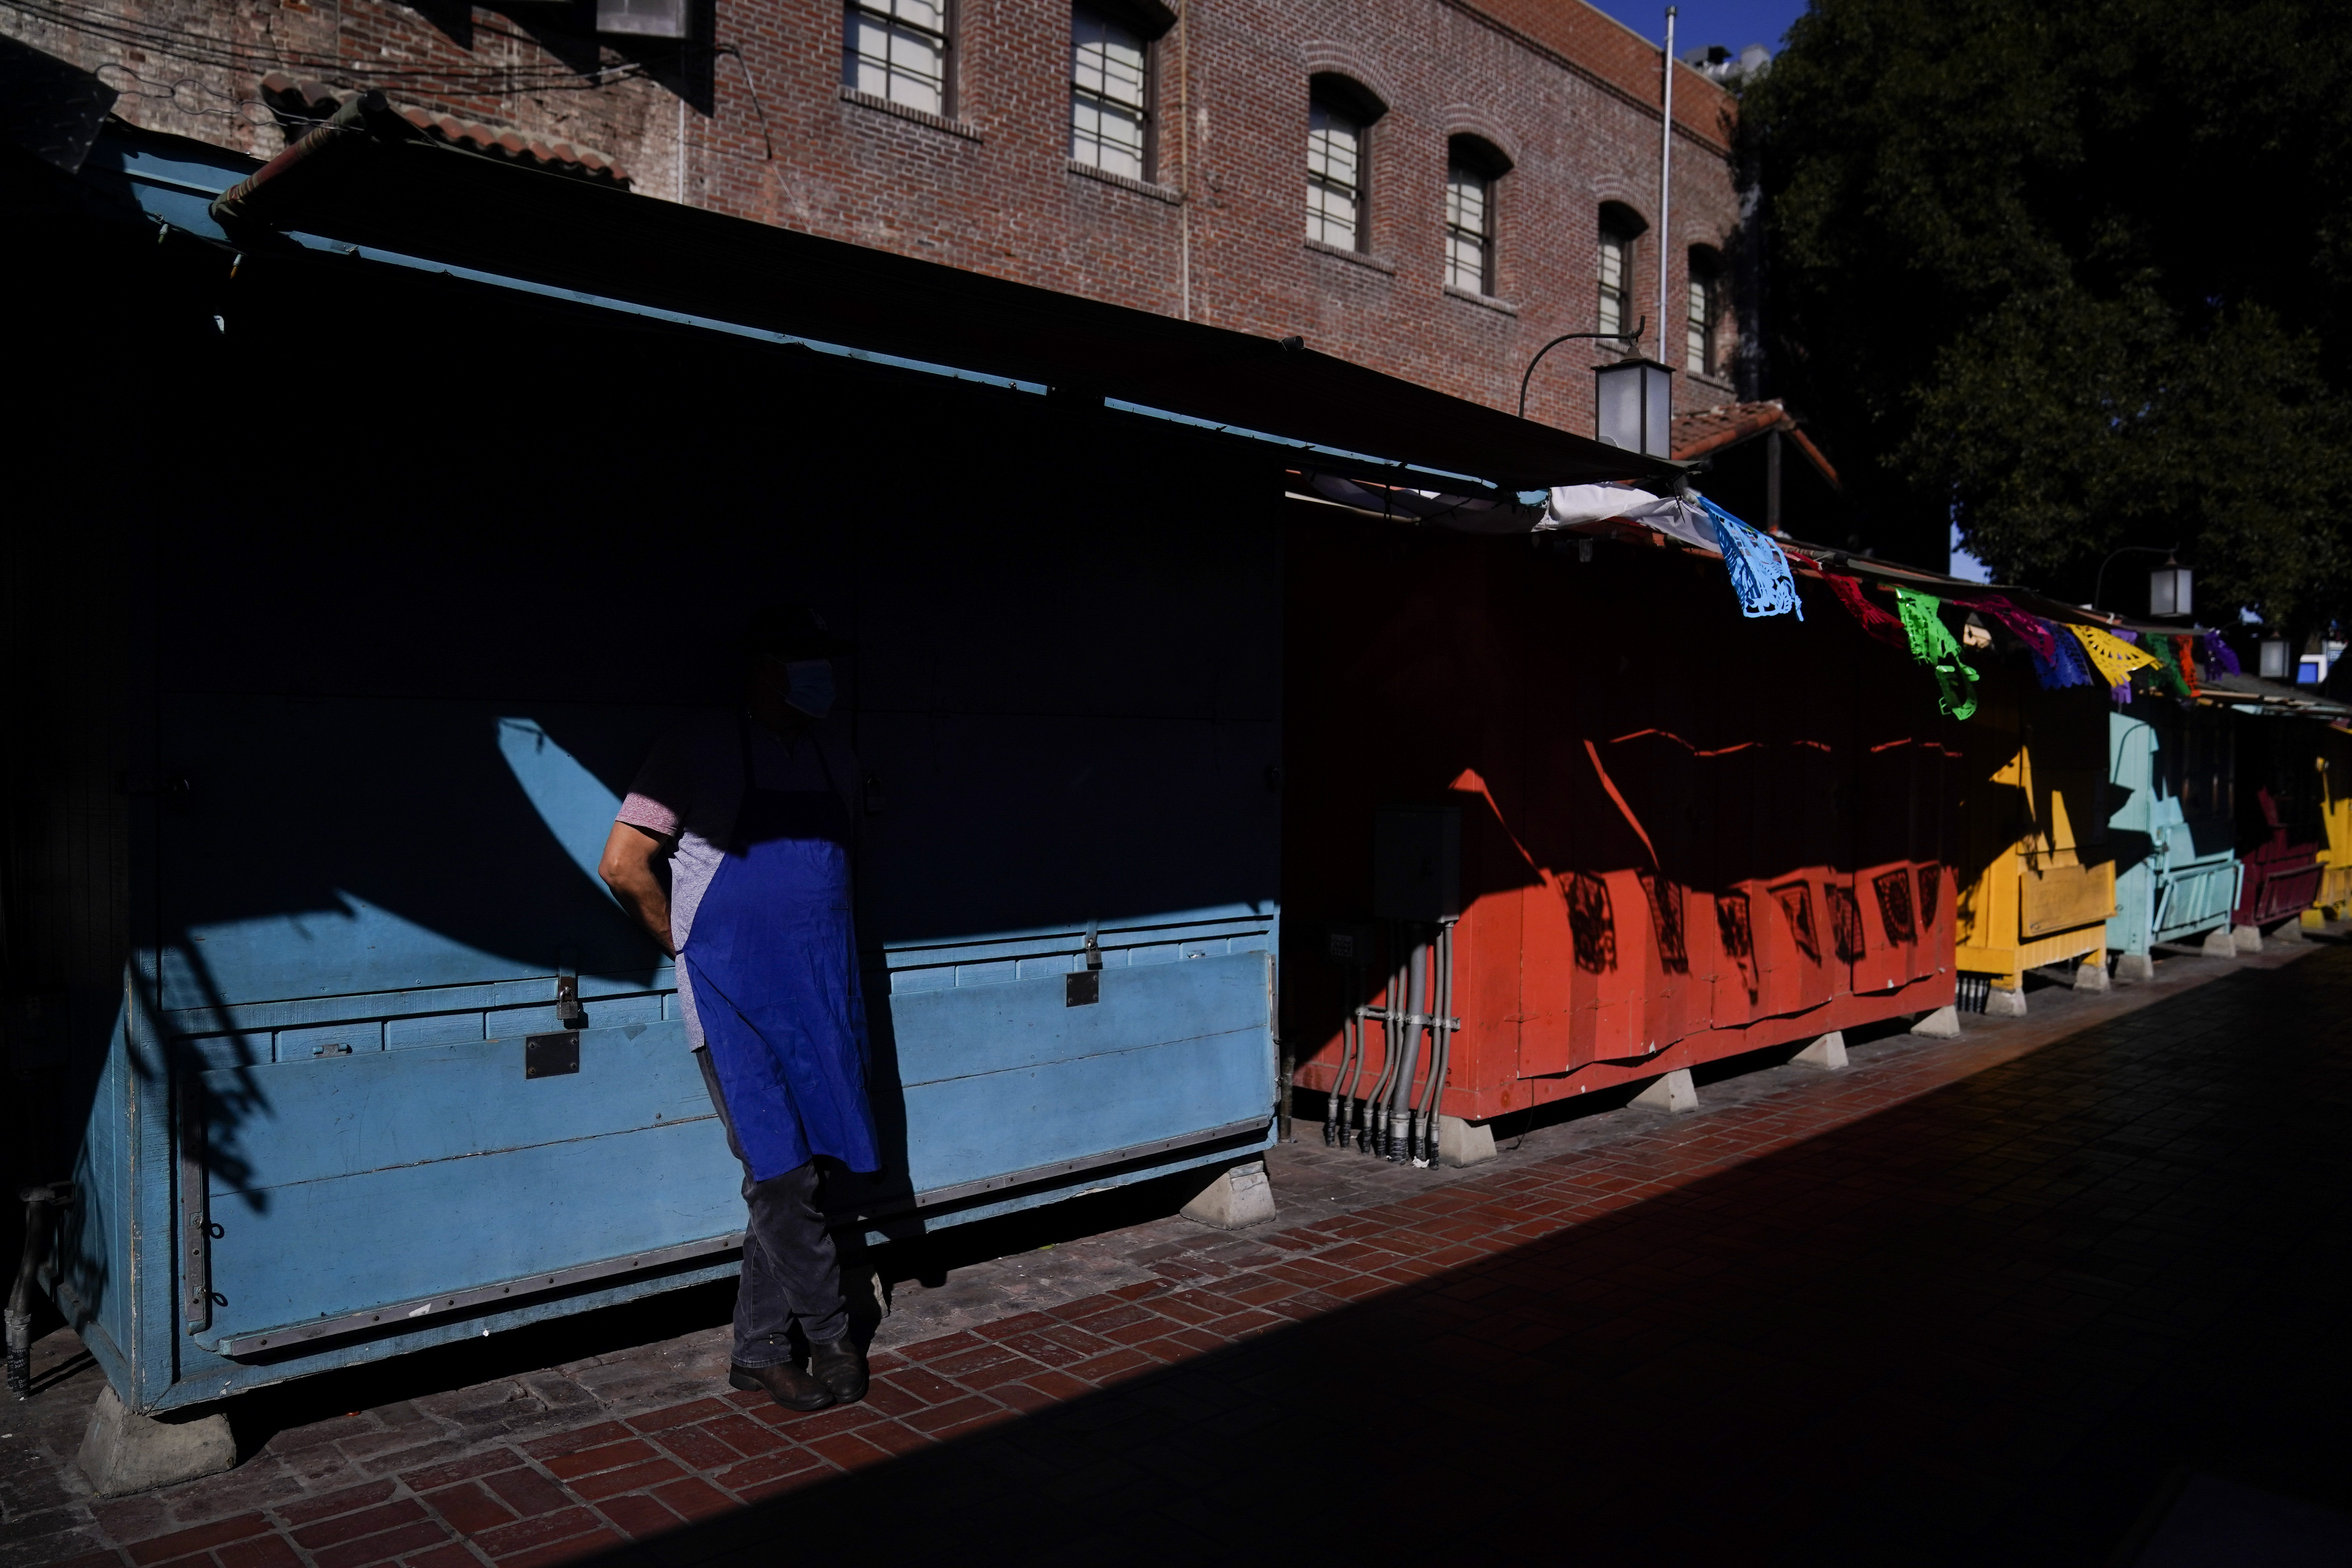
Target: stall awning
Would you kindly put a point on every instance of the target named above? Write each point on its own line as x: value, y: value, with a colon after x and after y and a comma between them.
x: 369, y: 179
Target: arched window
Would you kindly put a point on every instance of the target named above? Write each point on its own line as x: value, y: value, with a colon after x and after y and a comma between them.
x: 1621, y: 227
x: 1703, y: 317
x: 1340, y: 116
x: 1472, y: 168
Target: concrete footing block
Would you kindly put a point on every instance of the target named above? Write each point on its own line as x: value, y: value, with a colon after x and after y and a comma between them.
x: 2003, y: 1003
x: 2219, y: 943
x: 1461, y: 1143
x: 2090, y: 975
x: 124, y: 1452
x: 1827, y: 1053
x: 1943, y: 1023
x: 2135, y: 967
x: 2248, y: 938
x: 1236, y: 1196
x: 1674, y: 1092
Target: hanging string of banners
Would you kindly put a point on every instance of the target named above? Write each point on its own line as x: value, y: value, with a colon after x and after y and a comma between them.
x: 2064, y: 653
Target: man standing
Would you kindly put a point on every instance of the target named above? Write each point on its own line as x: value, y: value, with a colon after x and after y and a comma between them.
x: 733, y: 849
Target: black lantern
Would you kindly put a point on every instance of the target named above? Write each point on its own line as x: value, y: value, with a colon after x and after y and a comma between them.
x: 1635, y: 400
x: 2167, y: 589
x: 2275, y: 662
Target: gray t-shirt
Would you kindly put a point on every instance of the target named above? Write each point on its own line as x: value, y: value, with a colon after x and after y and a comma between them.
x: 691, y: 788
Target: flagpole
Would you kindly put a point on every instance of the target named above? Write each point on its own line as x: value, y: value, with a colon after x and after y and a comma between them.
x: 1666, y: 192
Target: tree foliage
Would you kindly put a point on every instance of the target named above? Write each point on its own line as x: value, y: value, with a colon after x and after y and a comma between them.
x: 2075, y: 274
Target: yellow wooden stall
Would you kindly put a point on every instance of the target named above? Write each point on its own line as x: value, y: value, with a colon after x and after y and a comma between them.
x: 2038, y: 877
x: 2335, y: 764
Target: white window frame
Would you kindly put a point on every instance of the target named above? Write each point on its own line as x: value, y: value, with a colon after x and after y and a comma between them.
x: 1702, y: 313
x: 1337, y: 143
x: 1096, y: 102
x: 1616, y: 281
x: 912, y: 67
x: 1469, y: 236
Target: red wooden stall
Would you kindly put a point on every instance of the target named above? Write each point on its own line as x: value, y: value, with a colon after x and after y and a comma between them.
x: 2281, y: 817
x: 1683, y: 835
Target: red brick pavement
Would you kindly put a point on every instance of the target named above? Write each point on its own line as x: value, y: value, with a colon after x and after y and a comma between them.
x: 1426, y: 1261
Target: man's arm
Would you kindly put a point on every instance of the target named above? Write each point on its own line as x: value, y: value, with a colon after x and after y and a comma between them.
x: 627, y: 868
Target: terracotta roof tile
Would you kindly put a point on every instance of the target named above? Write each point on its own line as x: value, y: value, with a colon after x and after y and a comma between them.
x: 303, y: 98
x: 1704, y: 430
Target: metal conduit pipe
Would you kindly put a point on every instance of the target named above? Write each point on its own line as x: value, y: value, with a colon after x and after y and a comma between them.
x: 1400, y: 1108
x: 1351, y: 1038
x: 1404, y: 1002
x: 1337, y: 1106
x: 41, y: 1203
x: 1353, y: 1134
x: 1455, y: 1024
x: 1367, y: 1137
x: 1425, y: 1106
x: 1440, y: 1048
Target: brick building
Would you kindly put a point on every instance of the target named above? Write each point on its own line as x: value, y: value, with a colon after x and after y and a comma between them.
x: 1431, y: 187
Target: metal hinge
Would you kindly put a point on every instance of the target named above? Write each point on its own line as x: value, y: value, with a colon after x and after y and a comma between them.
x: 197, y: 1231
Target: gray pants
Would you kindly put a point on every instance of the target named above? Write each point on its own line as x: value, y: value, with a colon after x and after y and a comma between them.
x: 790, y: 1268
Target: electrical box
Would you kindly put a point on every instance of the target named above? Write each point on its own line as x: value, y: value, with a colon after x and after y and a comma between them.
x: 1417, y: 863
x: 1350, y: 942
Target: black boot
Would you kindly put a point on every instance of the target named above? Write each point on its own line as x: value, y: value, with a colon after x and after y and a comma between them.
x: 787, y: 1384
x: 840, y: 1366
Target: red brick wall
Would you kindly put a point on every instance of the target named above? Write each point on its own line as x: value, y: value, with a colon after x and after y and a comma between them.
x: 1566, y: 93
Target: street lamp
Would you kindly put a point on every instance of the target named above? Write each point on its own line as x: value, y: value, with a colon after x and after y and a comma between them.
x: 2167, y: 585
x: 1634, y: 398
x: 2274, y: 664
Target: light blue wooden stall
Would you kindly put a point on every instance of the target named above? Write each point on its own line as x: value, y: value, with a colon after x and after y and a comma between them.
x: 2169, y: 779
x: 442, y: 488
x: 374, y: 718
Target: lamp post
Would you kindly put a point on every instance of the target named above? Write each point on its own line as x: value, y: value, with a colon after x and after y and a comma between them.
x: 1632, y: 337
x: 2167, y: 585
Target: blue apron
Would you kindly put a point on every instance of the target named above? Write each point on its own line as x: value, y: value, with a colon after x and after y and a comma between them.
x: 773, y: 957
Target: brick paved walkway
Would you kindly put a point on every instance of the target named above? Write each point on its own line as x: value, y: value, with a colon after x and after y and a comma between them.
x: 1971, y: 1302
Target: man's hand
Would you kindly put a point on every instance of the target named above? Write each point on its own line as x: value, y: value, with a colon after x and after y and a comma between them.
x: 627, y: 868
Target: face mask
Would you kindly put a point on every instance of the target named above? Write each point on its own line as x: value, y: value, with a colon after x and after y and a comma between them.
x: 812, y: 685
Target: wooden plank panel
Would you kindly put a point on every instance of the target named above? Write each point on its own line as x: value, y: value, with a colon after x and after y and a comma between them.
x: 311, y: 1121
x: 2059, y: 898
x: 978, y: 1029
x: 323, y: 1247
x: 967, y: 1129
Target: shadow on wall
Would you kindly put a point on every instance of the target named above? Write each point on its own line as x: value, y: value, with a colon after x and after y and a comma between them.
x: 380, y: 695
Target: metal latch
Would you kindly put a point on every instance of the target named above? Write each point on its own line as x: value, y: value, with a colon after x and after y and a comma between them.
x: 1083, y: 988
x: 568, y: 1010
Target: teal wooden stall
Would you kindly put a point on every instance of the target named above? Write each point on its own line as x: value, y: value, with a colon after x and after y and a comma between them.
x: 2171, y: 822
